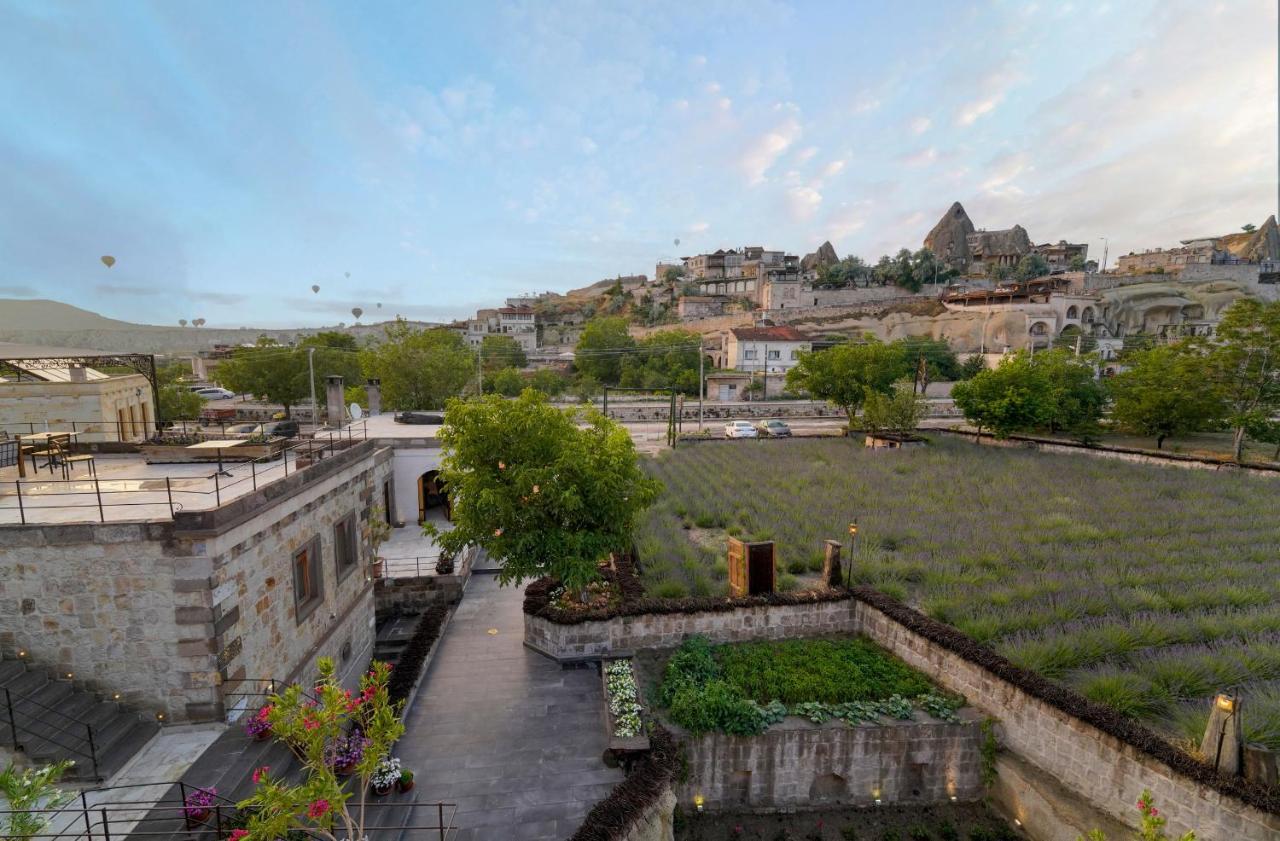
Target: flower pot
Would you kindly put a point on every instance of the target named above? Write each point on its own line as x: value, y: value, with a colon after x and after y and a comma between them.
x: 404, y: 785
x: 197, y: 815
x: 382, y: 791
x: 344, y: 770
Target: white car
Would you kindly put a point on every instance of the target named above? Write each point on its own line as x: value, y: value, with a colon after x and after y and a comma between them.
x: 739, y: 429
x: 215, y: 394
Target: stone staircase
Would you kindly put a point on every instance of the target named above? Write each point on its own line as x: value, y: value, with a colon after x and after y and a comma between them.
x: 48, y: 719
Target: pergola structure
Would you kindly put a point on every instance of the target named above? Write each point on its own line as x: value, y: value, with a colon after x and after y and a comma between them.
x: 28, y: 359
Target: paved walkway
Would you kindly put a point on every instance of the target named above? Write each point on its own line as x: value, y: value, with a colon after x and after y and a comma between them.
x: 508, y: 735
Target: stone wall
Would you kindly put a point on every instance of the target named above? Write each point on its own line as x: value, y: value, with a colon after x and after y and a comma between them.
x: 411, y: 595
x: 796, y: 764
x: 167, y: 612
x: 1091, y: 764
x: 93, y: 406
x: 658, y: 821
x: 626, y: 634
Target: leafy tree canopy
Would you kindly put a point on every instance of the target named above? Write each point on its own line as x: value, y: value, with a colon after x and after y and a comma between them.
x: 599, y: 337
x: 1245, y: 363
x: 549, y: 382
x: 667, y: 358
x: 506, y: 382
x: 280, y: 374
x: 419, y: 369
x: 547, y: 491
x: 899, y: 411
x: 1165, y: 392
x: 1053, y: 390
x: 1031, y: 266
x: 498, y: 352
x: 941, y: 364
x: 844, y: 374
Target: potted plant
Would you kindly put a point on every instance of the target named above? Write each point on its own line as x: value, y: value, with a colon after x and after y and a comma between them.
x: 379, y: 533
x: 343, y: 754
x: 385, y: 775
x: 198, y: 803
x: 405, y: 783
x: 258, y: 727
x: 444, y: 564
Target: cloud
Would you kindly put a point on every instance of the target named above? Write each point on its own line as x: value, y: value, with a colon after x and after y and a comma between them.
x: 921, y: 157
x: 847, y: 220
x: 832, y: 169
x: 712, y: 88
x: 865, y: 105
x: 919, y: 125
x: 108, y: 289
x: 763, y: 152
x: 226, y: 299
x: 699, y: 227
x: 806, y: 153
x: 587, y: 146
x: 803, y: 202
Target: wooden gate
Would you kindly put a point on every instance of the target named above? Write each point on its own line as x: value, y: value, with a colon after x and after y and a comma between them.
x: 751, y: 567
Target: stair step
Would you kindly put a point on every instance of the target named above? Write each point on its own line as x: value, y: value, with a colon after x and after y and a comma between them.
x: 28, y: 683
x: 11, y: 669
x: 125, y: 747
x: 45, y: 701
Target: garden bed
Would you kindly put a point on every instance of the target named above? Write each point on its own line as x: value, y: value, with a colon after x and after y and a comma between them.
x: 623, y: 710
x: 178, y: 453
x: 1144, y: 588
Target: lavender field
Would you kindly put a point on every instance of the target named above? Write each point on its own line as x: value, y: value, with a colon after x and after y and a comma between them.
x: 1145, y: 588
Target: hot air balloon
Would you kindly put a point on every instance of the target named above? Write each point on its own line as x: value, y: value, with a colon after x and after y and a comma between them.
x: 357, y: 312
x: 199, y: 322
x: 677, y: 240
x: 379, y: 305
x: 315, y: 287
x: 182, y: 322
x: 108, y: 260
x: 348, y: 274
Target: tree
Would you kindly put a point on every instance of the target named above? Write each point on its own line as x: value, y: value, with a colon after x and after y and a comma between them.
x: 601, y: 347
x: 844, y: 374
x: 1076, y: 397
x: 672, y: 274
x: 1245, y: 363
x: 899, y: 411
x: 546, y: 491
x: 1078, y: 263
x: 1165, y: 391
x: 178, y: 402
x: 549, y: 382
x: 941, y: 364
x: 323, y: 727
x: 280, y: 374
x: 1008, y: 398
x: 927, y: 268
x: 1248, y: 227
x: 904, y: 273
x: 1030, y: 266
x: 1266, y: 430
x: 667, y: 358
x: 972, y: 366
x: 885, y: 271
x: 419, y: 369
x: 498, y: 352
x: 331, y: 339
x: 508, y: 382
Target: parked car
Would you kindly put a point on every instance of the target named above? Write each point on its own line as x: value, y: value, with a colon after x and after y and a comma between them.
x: 241, y: 429
x: 773, y: 429
x: 213, y: 393
x: 739, y: 429
x: 283, y: 428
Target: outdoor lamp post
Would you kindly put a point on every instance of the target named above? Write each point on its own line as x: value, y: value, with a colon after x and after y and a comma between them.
x: 853, y: 533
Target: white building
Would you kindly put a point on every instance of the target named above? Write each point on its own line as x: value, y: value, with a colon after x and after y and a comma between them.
x: 768, y: 349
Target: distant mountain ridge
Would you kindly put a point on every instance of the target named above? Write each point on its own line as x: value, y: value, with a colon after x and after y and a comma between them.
x: 56, y: 324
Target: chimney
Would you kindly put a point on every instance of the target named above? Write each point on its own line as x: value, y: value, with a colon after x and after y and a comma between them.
x: 374, y: 389
x: 76, y: 374
x: 334, y: 404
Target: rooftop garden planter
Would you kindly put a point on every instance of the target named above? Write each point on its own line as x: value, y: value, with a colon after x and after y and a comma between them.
x: 623, y: 710
x: 173, y: 450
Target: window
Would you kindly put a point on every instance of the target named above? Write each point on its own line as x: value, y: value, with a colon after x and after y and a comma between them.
x: 795, y: 354
x: 775, y: 354
x: 308, y: 582
x: 748, y: 354
x: 346, y: 552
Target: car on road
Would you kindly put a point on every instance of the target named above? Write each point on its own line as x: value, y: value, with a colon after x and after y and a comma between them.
x: 739, y: 429
x: 283, y: 428
x: 241, y: 429
x: 773, y: 429
x: 213, y: 393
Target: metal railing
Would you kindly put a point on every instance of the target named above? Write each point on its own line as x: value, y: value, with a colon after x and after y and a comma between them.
x: 101, y: 493
x: 415, y: 567
x: 102, y: 814
x: 64, y: 733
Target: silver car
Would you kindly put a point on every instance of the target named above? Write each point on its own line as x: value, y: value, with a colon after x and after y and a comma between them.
x: 739, y: 429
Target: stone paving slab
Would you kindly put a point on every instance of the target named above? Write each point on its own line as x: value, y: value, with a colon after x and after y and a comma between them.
x: 511, y: 737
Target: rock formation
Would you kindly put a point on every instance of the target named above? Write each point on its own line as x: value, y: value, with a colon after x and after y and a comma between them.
x: 949, y: 238
x: 1261, y: 244
x: 824, y: 256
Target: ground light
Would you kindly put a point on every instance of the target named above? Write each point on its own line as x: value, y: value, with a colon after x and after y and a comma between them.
x: 698, y: 801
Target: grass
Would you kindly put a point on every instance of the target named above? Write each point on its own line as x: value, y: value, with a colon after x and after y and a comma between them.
x: 1148, y: 588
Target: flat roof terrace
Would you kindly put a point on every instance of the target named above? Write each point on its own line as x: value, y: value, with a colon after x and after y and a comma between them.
x: 123, y: 487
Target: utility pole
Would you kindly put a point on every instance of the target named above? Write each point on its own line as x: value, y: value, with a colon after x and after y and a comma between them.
x: 311, y: 368
x: 1106, y: 244
x: 702, y: 383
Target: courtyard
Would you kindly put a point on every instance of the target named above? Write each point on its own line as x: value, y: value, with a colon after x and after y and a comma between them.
x: 1145, y: 588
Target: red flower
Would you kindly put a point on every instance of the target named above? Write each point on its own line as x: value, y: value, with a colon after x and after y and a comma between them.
x: 238, y: 834
x: 318, y: 808
x: 260, y: 773
x: 264, y: 712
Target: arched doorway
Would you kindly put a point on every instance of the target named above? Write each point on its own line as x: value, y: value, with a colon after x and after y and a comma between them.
x: 432, y: 495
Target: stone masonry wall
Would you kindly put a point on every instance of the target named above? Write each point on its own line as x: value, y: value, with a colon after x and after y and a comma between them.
x: 658, y: 822
x: 103, y: 602
x: 587, y: 640
x: 796, y: 764
x: 1090, y: 764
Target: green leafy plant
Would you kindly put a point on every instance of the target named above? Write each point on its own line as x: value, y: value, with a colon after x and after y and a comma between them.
x: 1152, y: 827
x: 31, y: 795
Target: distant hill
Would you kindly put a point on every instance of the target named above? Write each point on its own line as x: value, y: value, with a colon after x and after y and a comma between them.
x: 53, y: 323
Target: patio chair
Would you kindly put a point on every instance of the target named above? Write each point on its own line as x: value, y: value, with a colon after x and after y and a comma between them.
x: 54, y: 446
x: 68, y: 460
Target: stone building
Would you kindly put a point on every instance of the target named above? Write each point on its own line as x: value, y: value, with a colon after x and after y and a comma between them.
x: 977, y: 251
x: 1259, y: 246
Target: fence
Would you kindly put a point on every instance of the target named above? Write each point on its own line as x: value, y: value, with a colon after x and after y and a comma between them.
x: 171, y: 492
x: 416, y: 567
x: 108, y: 813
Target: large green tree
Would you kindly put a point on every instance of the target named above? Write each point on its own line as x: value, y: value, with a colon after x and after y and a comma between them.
x: 498, y: 352
x: 1030, y: 266
x: 1165, y: 391
x: 1076, y: 398
x: 667, y: 358
x: 419, y: 369
x: 546, y: 491
x: 281, y: 374
x: 940, y: 360
x: 602, y: 347
x: 1245, y: 363
x: 845, y: 373
x: 1009, y: 398
x: 899, y: 411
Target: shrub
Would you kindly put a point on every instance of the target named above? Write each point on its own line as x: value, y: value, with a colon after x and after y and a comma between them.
x: 670, y: 590
x: 798, y: 567
x: 787, y: 583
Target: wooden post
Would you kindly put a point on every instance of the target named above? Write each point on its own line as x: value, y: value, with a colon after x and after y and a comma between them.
x: 831, y: 564
x: 1223, y: 737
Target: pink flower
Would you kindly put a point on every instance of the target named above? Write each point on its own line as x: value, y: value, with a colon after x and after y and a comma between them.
x: 264, y: 712
x: 497, y: 532
x: 238, y: 834
x: 260, y: 773
x: 501, y: 466
x: 1154, y: 811
x: 318, y: 808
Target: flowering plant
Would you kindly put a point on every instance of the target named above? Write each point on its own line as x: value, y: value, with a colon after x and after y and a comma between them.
x: 198, y: 802
x: 257, y: 724
x: 1152, y: 824
x: 331, y: 731
x: 387, y: 772
x: 624, y: 702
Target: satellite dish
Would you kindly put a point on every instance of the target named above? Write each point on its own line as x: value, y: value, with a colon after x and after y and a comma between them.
x: 356, y: 412
x: 315, y: 287
x: 108, y: 260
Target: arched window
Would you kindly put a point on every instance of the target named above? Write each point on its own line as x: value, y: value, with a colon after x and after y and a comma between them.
x: 1072, y: 312
x: 1087, y: 315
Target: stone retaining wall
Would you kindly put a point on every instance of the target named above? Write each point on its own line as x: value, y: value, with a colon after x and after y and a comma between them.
x: 657, y: 823
x: 796, y: 764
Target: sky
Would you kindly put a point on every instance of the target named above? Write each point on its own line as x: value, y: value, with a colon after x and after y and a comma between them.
x: 437, y: 157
